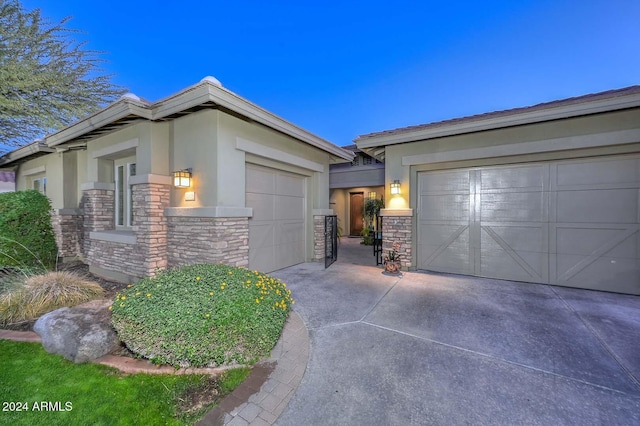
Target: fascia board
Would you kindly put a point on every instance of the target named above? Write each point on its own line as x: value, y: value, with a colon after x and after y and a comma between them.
x: 569, y: 111
x: 110, y: 114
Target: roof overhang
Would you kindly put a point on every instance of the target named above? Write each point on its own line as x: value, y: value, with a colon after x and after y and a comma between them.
x: 205, y: 94
x: 18, y: 156
x: 374, y: 144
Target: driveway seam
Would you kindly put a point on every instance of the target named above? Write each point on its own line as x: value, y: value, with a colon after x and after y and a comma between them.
x: 600, y: 340
x: 499, y: 359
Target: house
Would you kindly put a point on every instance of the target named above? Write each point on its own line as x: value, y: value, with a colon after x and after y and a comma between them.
x: 351, y: 184
x: 7, y: 181
x: 545, y: 194
x: 201, y: 176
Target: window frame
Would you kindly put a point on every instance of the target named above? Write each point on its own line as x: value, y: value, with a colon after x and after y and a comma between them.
x: 123, y: 193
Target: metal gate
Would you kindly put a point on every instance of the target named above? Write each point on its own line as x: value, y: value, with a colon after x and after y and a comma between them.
x: 330, y: 240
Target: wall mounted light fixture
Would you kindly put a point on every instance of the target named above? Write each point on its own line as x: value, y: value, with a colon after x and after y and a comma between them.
x: 395, y: 187
x: 182, y: 178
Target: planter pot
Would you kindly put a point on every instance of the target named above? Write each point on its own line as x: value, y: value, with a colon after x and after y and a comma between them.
x: 392, y: 266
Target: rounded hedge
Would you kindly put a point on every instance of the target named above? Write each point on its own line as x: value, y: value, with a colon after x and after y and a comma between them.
x: 26, y: 236
x: 202, y: 315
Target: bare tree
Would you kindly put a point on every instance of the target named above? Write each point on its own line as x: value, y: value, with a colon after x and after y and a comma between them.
x: 47, y: 78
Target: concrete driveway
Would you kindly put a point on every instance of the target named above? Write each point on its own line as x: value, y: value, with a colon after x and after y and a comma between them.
x: 445, y: 349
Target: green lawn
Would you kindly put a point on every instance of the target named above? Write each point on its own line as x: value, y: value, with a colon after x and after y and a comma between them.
x: 53, y: 391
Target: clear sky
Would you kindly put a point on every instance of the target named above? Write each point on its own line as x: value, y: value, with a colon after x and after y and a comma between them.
x: 344, y: 68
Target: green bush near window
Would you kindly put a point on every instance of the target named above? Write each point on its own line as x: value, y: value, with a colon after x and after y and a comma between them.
x: 26, y: 236
x: 202, y: 315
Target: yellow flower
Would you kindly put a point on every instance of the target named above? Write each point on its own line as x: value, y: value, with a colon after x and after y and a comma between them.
x: 208, y: 315
x: 210, y: 293
x: 197, y: 278
x: 137, y: 293
x: 248, y: 281
x: 230, y: 272
x: 121, y: 305
x: 257, y: 300
x: 111, y: 307
x: 129, y: 286
x: 123, y: 297
x: 148, y: 294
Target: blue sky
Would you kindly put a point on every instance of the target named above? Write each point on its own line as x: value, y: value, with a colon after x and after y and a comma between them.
x: 341, y: 69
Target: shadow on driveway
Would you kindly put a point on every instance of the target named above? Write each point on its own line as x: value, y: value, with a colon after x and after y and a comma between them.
x: 432, y: 348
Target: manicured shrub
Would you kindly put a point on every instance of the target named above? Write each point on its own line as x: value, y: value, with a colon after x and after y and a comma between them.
x: 39, y: 294
x: 26, y: 236
x: 202, y: 315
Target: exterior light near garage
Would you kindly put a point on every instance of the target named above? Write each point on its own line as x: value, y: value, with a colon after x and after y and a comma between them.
x: 182, y: 178
x: 373, y: 195
x: 395, y: 187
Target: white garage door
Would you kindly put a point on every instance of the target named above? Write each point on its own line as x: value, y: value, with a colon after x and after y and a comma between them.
x: 572, y: 223
x: 277, y: 228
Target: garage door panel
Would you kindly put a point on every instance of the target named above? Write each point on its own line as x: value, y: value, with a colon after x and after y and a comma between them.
x: 263, y: 206
x: 585, y: 241
x: 523, y: 266
x: 289, y: 232
x: 288, y: 208
x: 289, y: 185
x: 445, y: 182
x: 262, y: 259
x: 608, y: 273
x: 259, y: 180
x: 597, y: 173
x: 289, y: 254
x: 530, y: 178
x: 262, y: 235
x: 513, y: 206
x: 598, y: 206
x: 445, y: 207
x: 524, y: 238
x: 447, y: 248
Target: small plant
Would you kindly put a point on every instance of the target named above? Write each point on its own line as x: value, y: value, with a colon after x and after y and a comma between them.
x: 202, y: 315
x: 371, y: 210
x: 392, y: 261
x: 34, y: 296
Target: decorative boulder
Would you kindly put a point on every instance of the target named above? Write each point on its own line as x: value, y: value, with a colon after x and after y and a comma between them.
x: 81, y: 333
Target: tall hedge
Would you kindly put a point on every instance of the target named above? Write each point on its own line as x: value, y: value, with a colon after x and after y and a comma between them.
x: 26, y: 236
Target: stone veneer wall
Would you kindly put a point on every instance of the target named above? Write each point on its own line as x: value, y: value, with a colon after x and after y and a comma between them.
x: 318, y: 239
x: 98, y: 206
x: 193, y: 240
x: 150, y: 225
x: 67, y: 228
x: 149, y: 228
x: 398, y: 228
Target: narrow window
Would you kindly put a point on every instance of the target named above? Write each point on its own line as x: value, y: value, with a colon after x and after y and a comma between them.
x: 120, y: 195
x: 124, y: 195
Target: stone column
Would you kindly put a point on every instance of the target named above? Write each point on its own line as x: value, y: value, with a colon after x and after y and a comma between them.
x: 397, y: 227
x: 67, y: 227
x: 318, y: 234
x: 150, y: 224
x: 98, y: 206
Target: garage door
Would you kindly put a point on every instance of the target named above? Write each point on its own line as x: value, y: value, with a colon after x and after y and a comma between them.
x: 277, y: 228
x: 571, y: 223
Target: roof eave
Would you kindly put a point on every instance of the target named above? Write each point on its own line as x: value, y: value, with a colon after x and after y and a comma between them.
x: 114, y: 112
x: 32, y: 150
x: 517, y: 119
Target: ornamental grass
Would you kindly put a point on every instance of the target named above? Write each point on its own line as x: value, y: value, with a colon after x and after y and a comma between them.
x: 30, y: 297
x: 202, y: 316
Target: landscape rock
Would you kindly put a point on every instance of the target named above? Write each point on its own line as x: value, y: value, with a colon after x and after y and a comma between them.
x: 81, y: 333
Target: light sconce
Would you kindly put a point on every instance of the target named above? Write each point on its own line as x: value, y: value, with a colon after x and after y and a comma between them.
x: 395, y: 187
x: 373, y: 195
x: 182, y: 178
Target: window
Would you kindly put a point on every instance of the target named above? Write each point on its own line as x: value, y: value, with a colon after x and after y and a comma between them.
x: 366, y: 160
x: 40, y: 185
x: 356, y: 160
x: 124, y: 169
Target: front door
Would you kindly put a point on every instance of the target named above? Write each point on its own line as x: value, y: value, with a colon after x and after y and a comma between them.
x: 356, y: 209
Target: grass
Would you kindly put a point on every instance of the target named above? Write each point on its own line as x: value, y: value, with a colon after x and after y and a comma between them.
x: 27, y: 297
x: 100, y: 395
x: 203, y: 315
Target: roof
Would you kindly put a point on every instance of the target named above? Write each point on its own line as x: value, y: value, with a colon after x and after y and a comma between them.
x: 208, y: 93
x: 18, y: 156
x: 610, y: 100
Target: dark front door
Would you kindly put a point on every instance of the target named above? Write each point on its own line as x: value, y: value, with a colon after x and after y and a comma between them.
x: 357, y: 206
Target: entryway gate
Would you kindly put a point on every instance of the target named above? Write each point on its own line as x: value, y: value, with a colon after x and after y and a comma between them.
x: 330, y: 240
